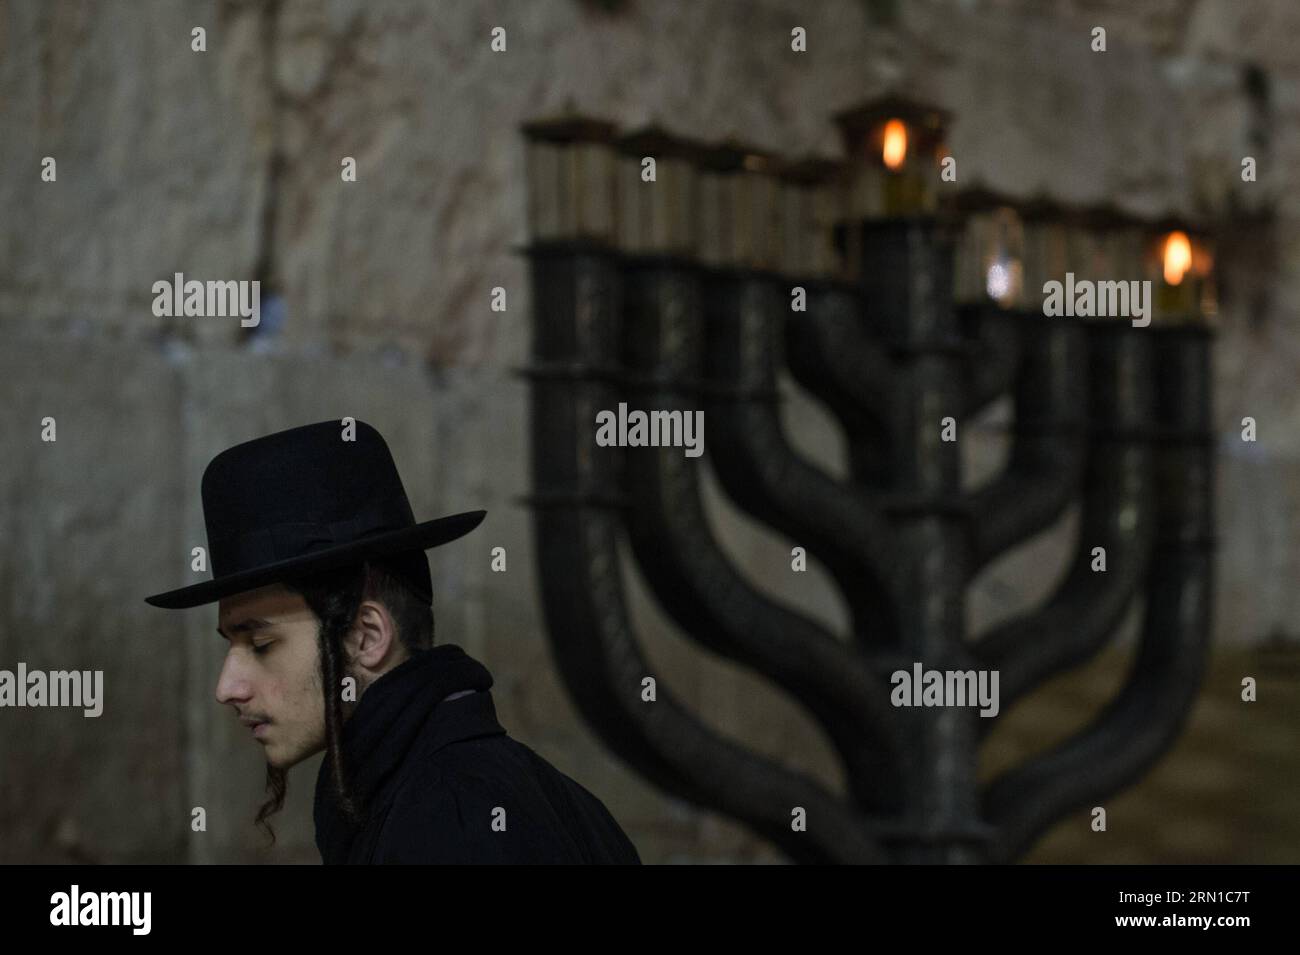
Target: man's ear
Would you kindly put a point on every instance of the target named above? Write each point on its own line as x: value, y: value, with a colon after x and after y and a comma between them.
x: 372, y: 635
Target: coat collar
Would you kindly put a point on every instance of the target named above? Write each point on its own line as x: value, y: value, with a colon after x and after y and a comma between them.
x: 401, y: 717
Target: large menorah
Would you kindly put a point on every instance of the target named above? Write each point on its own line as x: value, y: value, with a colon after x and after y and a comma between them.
x: 673, y: 291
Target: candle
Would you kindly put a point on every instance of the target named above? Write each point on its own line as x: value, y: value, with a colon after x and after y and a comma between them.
x: 1177, y: 256
x: 812, y: 197
x: 1046, y: 249
x: 1179, y: 263
x: 659, y: 216
x: 1094, y: 257
x: 570, y: 164
x: 896, y: 145
x: 1113, y: 240
x: 989, y: 252
x: 894, y: 151
x: 739, y: 192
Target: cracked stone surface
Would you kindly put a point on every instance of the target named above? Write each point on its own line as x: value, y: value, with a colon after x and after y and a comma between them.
x: 225, y: 164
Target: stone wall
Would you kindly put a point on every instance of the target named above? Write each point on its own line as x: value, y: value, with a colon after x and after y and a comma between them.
x: 226, y: 164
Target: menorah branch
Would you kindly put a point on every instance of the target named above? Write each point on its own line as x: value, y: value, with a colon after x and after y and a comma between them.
x: 1151, y: 709
x: 1088, y: 606
x: 834, y: 356
x: 1116, y: 516
x: 604, y: 673
x: 752, y: 457
x: 1047, y: 453
x: 578, y: 304
x: 695, y: 581
x: 1135, y: 730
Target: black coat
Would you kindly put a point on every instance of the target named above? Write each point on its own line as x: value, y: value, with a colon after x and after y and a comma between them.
x: 439, y: 781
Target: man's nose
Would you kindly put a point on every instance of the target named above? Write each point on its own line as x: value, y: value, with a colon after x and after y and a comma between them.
x: 232, y: 684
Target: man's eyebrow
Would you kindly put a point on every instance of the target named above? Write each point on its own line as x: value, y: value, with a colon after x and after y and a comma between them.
x: 246, y: 626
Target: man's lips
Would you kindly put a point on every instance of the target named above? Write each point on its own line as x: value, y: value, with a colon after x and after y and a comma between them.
x: 259, y: 727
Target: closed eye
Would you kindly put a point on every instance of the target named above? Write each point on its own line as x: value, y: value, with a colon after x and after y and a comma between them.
x: 262, y: 648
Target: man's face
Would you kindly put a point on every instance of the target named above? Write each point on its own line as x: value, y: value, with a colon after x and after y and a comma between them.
x: 270, y: 675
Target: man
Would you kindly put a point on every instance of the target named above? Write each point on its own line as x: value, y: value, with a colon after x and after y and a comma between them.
x: 325, y: 598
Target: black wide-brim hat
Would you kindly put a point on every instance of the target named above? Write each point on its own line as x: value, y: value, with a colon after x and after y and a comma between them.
x: 307, y: 500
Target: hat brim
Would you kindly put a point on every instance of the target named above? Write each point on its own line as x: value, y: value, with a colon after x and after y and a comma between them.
x: 416, y: 537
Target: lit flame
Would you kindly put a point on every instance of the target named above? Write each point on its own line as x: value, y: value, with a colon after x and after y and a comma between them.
x: 998, y: 280
x: 1178, y: 257
x: 895, y: 143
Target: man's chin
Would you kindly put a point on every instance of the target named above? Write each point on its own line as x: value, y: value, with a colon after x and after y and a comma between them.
x: 277, y: 759
x: 281, y: 760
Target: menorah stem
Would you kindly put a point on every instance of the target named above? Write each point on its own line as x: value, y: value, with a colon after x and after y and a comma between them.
x: 576, y: 336
x: 1149, y: 712
x: 837, y: 522
x: 696, y: 582
x: 907, y: 276
x: 1116, y: 515
x: 996, y: 349
x: 836, y: 356
x: 1047, y: 453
